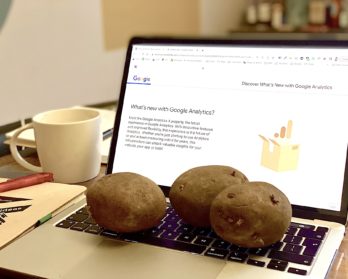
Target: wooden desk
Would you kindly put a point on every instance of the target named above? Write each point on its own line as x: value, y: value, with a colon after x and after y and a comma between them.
x: 339, y: 269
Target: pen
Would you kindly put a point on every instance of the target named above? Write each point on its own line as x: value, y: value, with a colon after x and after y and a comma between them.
x: 26, y: 181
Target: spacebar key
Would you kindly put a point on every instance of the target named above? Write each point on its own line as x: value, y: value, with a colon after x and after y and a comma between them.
x: 172, y: 244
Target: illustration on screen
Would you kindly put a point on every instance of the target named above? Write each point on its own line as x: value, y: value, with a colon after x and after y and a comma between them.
x: 280, y: 153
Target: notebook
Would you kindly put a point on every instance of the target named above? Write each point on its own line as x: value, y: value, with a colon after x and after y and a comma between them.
x: 23, y: 209
x: 275, y: 110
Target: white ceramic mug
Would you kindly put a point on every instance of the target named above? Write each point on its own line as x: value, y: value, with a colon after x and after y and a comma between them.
x: 68, y: 143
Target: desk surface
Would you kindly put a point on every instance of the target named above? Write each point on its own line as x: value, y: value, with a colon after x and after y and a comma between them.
x: 339, y: 269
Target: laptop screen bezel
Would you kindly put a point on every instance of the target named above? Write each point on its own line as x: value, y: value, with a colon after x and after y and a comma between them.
x: 298, y: 211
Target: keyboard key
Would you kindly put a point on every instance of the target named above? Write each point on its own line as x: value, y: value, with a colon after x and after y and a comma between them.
x: 202, y: 240
x: 276, y: 266
x: 305, y: 226
x: 65, y: 224
x: 84, y: 210
x: 171, y: 218
x: 255, y: 262
x: 77, y: 217
x: 90, y: 221
x: 278, y: 262
x: 322, y: 229
x: 310, y: 251
x: 169, y: 234
x: 214, y: 235
x: 259, y: 251
x: 297, y: 271
x: 290, y: 257
x: 291, y: 230
x: 202, y: 231
x: 221, y: 244
x: 276, y: 246
x: 154, y: 231
x: 186, y: 237
x: 237, y: 248
x: 169, y: 225
x: 79, y: 226
x: 216, y: 253
x: 171, y: 211
x: 185, y: 228
x: 311, y: 234
x: 94, y: 229
x: 290, y: 248
x: 311, y: 242
x: 237, y: 256
x: 293, y: 239
x: 311, y: 246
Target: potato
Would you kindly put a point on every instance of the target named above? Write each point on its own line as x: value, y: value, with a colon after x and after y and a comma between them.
x: 255, y: 214
x: 193, y: 191
x: 126, y: 202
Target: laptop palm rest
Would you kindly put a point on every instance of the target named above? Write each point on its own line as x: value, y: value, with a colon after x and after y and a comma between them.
x: 102, y: 257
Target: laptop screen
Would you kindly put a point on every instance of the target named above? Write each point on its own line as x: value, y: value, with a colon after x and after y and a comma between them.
x: 275, y: 111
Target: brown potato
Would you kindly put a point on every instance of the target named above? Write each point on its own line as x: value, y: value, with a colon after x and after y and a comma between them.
x: 193, y: 191
x: 126, y: 202
x: 255, y: 214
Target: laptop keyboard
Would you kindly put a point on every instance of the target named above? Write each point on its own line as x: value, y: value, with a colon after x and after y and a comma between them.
x: 295, y: 253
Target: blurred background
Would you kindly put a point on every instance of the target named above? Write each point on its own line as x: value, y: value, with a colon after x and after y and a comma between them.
x: 61, y: 53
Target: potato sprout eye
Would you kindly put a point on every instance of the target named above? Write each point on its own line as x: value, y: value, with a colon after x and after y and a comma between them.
x: 273, y: 200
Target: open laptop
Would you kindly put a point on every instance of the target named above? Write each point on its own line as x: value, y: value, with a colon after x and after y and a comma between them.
x: 275, y: 110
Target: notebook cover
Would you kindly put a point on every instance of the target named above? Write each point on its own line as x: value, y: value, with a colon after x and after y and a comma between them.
x: 24, y: 207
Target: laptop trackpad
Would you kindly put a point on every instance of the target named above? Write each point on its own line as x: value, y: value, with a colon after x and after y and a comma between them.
x: 129, y: 260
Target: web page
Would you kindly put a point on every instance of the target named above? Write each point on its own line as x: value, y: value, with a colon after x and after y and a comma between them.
x: 276, y: 114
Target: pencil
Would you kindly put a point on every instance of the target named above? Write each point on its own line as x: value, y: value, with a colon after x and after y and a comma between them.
x: 26, y: 181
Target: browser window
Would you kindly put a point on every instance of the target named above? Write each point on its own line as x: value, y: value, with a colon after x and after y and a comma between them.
x: 277, y: 114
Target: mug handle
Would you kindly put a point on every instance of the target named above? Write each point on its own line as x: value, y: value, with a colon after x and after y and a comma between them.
x: 14, y: 151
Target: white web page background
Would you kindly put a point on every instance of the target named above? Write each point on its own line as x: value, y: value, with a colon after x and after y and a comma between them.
x: 186, y: 112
